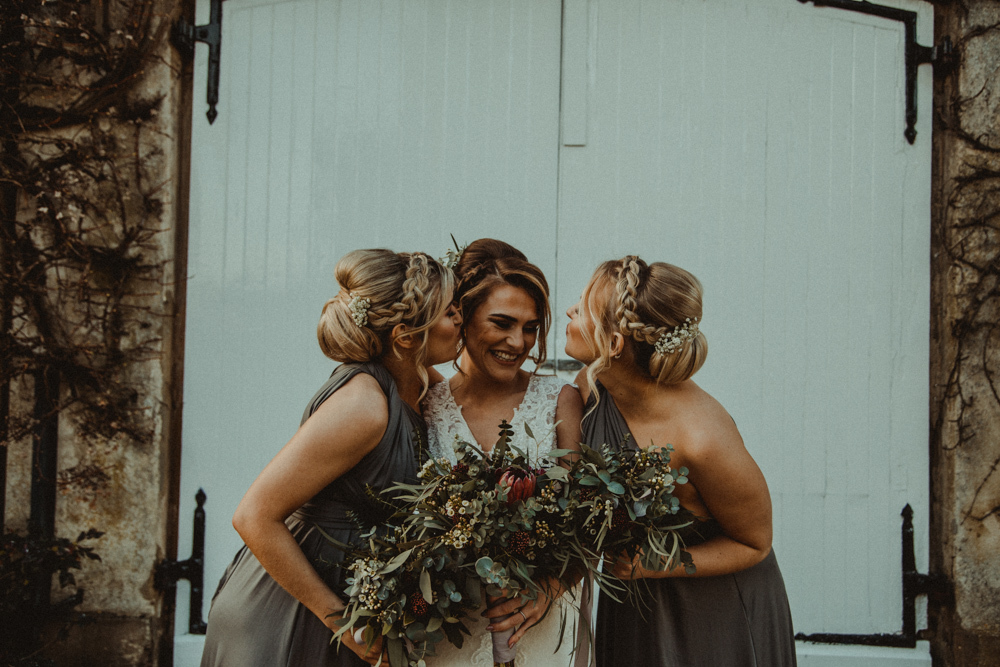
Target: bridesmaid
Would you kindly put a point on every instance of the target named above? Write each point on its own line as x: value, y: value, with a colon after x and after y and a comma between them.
x: 636, y: 328
x: 278, y: 601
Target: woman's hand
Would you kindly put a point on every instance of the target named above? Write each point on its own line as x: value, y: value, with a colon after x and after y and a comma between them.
x: 629, y: 569
x: 523, y: 616
x: 370, y: 655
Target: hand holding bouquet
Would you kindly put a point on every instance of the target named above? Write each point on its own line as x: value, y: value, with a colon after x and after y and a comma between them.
x: 503, y: 523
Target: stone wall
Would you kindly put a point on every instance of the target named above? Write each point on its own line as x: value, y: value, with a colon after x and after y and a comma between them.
x: 117, y: 477
x: 136, y: 504
x: 965, y: 329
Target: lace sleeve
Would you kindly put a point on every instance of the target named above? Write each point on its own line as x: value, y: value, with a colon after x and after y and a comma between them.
x: 444, y: 422
x: 538, y: 411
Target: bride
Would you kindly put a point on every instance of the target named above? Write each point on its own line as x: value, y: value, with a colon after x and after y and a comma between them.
x: 505, y: 312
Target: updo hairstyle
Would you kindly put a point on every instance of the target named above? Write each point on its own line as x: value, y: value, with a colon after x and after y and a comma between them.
x: 643, y: 303
x: 401, y: 288
x: 487, y: 264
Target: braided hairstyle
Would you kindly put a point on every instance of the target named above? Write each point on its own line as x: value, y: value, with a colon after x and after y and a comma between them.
x: 487, y: 264
x: 401, y: 288
x: 643, y: 302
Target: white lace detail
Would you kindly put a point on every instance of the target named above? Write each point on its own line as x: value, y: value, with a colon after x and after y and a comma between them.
x: 536, y: 649
x: 445, y: 424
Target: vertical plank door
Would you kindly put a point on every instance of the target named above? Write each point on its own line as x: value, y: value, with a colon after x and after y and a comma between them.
x: 342, y: 124
x: 759, y: 144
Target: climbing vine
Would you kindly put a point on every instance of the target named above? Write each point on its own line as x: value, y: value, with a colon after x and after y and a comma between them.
x: 970, y: 238
x: 81, y: 211
x: 80, y: 274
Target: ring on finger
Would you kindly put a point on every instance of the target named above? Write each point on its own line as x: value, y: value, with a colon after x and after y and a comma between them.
x: 522, y: 615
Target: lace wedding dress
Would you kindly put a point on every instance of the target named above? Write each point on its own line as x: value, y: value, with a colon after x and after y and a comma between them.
x: 445, y: 424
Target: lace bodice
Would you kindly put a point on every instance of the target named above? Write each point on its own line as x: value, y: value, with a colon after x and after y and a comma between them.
x: 445, y: 423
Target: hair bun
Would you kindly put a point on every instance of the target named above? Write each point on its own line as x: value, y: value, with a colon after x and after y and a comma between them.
x: 483, y: 252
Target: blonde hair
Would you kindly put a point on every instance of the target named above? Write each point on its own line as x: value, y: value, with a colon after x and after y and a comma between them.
x: 643, y: 303
x: 487, y: 264
x: 412, y: 289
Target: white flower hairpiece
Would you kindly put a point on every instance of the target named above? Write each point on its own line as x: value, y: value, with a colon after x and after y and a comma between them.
x: 452, y: 257
x: 672, y: 340
x: 358, y: 305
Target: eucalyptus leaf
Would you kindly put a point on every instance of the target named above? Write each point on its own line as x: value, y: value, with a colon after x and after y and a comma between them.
x: 397, y: 654
x: 558, y: 453
x: 483, y: 566
x: 454, y: 633
x: 415, y: 632
x: 396, y: 562
x: 425, y: 586
x: 557, y: 472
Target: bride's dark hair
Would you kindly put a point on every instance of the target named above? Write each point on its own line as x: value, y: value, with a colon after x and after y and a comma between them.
x: 488, y: 263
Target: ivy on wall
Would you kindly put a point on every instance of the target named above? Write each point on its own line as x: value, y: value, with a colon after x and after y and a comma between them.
x: 971, y: 241
x: 81, y: 213
x: 80, y: 278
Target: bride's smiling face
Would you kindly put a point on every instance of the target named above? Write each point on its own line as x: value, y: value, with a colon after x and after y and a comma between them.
x: 501, y: 333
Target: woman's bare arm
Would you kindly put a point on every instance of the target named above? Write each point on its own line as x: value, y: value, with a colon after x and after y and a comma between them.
x: 734, y: 491
x: 569, y: 413
x: 333, y: 440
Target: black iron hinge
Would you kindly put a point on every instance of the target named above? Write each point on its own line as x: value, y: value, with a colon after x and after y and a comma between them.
x: 184, y: 36
x: 914, y: 54
x: 937, y: 588
x: 169, y: 571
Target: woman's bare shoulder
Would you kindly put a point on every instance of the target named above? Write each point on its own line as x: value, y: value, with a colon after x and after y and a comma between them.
x: 707, y: 427
x: 361, y: 399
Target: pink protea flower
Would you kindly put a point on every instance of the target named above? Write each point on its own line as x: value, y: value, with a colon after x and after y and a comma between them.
x: 520, y: 484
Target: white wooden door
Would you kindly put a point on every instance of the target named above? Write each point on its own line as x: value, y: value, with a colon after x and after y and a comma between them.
x: 342, y: 124
x: 759, y: 144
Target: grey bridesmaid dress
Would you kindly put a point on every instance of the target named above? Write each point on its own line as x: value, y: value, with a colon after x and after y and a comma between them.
x: 733, y: 620
x: 253, y: 621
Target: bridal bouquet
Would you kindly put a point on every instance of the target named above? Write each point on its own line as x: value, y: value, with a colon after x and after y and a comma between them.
x: 503, y: 523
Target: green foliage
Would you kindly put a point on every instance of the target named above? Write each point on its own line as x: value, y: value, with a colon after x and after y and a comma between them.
x: 81, y: 198
x: 27, y: 568
x: 502, y: 524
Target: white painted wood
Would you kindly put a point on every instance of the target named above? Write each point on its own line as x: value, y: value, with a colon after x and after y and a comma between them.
x: 812, y: 655
x: 759, y: 144
x: 343, y: 124
x: 575, y: 79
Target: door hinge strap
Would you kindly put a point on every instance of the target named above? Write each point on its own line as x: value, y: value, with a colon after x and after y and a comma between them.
x: 936, y: 587
x: 914, y: 54
x: 170, y: 571
x: 184, y: 35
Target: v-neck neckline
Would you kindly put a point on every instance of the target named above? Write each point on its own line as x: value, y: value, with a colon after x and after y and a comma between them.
x: 458, y: 410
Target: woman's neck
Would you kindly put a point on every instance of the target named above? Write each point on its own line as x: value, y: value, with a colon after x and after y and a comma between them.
x: 408, y: 382
x: 628, y: 388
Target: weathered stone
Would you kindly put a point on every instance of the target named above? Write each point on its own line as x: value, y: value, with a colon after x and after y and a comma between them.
x: 965, y: 392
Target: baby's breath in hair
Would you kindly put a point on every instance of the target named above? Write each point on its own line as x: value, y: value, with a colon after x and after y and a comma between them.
x: 359, y: 305
x: 672, y: 340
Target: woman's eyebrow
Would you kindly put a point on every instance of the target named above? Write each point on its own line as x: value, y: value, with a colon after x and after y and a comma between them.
x: 508, y: 319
